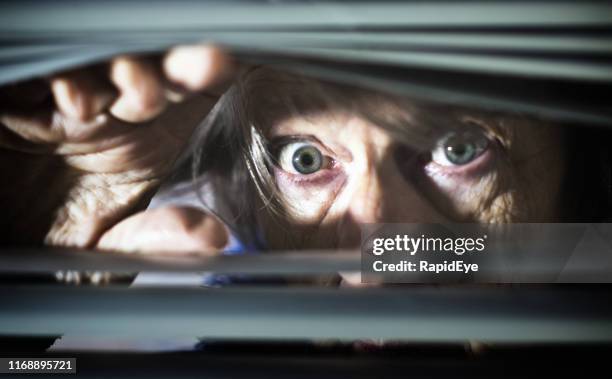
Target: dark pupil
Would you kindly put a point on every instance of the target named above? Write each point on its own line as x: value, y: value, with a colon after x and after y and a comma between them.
x: 460, y: 152
x: 458, y: 149
x: 307, y: 160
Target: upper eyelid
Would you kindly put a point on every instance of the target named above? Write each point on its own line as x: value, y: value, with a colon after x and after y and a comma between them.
x: 482, y: 125
x: 277, y: 142
x: 469, y: 122
x: 458, y: 125
x: 466, y: 126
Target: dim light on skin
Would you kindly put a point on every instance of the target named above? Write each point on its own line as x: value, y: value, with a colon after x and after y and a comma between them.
x: 483, y: 169
x: 334, y: 168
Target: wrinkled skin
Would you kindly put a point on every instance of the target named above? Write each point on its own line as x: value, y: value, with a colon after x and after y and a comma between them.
x: 84, y: 150
x: 383, y: 160
x: 83, y: 166
x: 374, y: 179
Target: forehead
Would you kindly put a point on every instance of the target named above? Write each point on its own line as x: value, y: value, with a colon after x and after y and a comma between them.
x: 281, y: 100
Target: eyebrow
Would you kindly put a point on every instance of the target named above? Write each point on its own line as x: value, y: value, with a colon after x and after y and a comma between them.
x: 416, y: 123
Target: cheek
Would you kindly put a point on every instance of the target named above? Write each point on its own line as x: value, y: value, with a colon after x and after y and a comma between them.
x: 468, y: 200
x: 308, y: 202
x: 507, y: 193
x: 463, y: 193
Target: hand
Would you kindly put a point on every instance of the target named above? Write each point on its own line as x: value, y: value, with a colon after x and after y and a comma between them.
x: 85, y: 149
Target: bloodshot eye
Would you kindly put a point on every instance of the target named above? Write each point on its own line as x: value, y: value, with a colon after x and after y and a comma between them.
x: 458, y: 149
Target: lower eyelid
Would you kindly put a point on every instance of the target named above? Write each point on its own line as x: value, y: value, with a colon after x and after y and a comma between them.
x: 319, y: 178
x: 469, y: 171
x: 329, y: 163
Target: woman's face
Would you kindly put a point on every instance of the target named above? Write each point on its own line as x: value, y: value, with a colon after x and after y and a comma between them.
x: 336, y: 169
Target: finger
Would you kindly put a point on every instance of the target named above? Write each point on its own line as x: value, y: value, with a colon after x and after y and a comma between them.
x: 200, y: 68
x: 168, y: 229
x: 81, y: 94
x: 41, y: 113
x: 130, y: 145
x: 141, y: 92
x: 20, y: 129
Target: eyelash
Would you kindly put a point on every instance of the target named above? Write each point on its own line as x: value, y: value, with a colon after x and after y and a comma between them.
x: 320, y: 177
x: 326, y: 175
x: 472, y: 169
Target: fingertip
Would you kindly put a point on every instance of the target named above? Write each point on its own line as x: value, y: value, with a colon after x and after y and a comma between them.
x: 216, y: 232
x: 80, y: 95
x: 71, y: 99
x: 198, y: 229
x: 141, y: 92
x: 198, y: 68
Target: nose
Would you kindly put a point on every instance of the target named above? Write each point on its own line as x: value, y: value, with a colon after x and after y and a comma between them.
x: 383, y: 193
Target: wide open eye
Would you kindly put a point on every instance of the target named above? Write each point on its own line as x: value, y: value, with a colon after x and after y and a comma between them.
x: 301, y: 158
x: 458, y: 149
